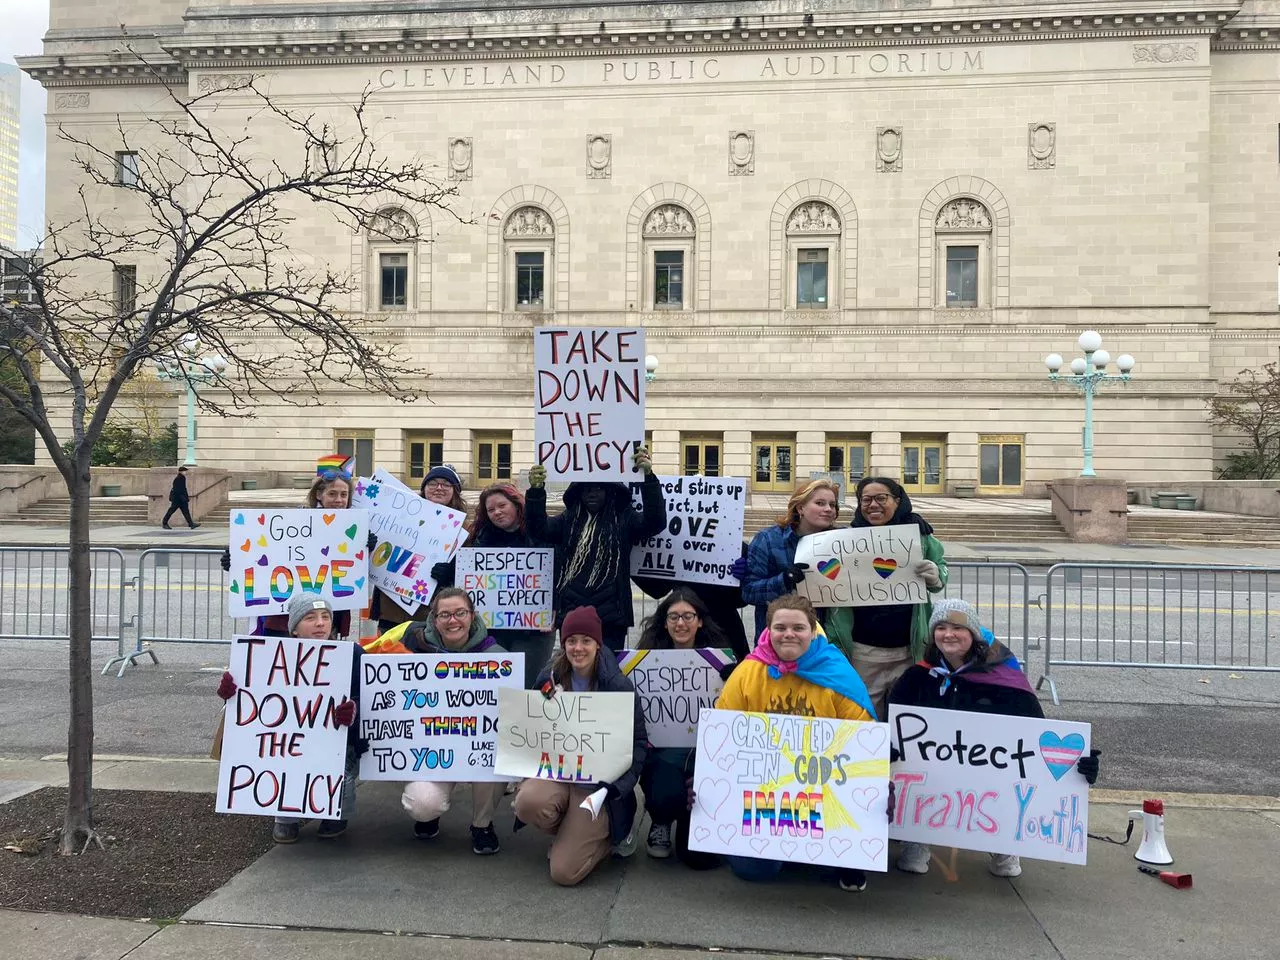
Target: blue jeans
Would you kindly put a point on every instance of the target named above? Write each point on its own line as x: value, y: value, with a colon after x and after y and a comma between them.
x: 753, y: 870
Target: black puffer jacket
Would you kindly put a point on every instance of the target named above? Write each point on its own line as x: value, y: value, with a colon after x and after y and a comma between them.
x: 621, y: 803
x: 612, y: 599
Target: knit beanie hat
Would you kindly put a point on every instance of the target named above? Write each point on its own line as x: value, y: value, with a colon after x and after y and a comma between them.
x: 302, y: 603
x: 443, y: 472
x: 582, y: 620
x: 959, y: 612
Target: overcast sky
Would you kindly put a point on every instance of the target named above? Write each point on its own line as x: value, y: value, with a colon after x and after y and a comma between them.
x: 21, y: 31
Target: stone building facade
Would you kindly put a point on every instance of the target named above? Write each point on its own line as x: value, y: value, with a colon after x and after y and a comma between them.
x: 852, y: 230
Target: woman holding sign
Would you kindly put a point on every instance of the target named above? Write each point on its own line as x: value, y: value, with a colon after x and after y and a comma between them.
x: 583, y: 839
x: 771, y: 567
x: 888, y: 639
x: 964, y: 667
x: 794, y: 670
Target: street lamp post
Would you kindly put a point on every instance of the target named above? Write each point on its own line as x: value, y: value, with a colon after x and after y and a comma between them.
x: 1088, y: 373
x: 184, y: 365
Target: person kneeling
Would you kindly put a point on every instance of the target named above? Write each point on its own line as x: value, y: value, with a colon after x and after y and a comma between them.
x: 966, y: 668
x: 581, y: 841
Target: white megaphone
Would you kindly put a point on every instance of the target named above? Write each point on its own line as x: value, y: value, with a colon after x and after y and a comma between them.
x: 1153, y: 848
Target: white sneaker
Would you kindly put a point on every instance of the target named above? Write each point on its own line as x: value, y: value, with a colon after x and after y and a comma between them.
x: 1005, y: 865
x: 659, y: 842
x: 632, y: 840
x: 914, y: 858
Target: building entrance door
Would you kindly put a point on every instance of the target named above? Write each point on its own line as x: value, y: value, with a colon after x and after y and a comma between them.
x: 922, y: 465
x: 774, y: 464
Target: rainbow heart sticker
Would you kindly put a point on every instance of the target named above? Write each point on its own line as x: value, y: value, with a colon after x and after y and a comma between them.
x: 829, y: 568
x: 1060, y: 753
x: 884, y: 567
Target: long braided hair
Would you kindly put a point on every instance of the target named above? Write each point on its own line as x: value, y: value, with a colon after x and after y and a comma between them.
x: 595, y: 543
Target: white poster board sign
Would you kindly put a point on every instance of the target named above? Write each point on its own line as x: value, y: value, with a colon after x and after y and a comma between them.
x: 283, y: 752
x: 571, y: 737
x: 704, y: 530
x: 511, y: 587
x: 413, y: 534
x: 674, y: 687
x: 433, y: 716
x: 588, y: 395
x: 803, y: 789
x: 275, y: 553
x: 862, y: 566
x: 978, y: 781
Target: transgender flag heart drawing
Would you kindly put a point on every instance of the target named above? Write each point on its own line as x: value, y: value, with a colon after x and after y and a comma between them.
x: 1060, y: 753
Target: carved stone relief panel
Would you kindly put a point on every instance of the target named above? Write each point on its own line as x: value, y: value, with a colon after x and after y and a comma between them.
x: 599, y: 156
x: 70, y: 101
x: 223, y: 81
x: 889, y: 149
x: 529, y: 221
x: 1042, y: 145
x: 813, y: 217
x: 963, y: 213
x: 1165, y: 52
x: 460, y: 158
x: 742, y: 153
x: 393, y: 223
x: 668, y: 220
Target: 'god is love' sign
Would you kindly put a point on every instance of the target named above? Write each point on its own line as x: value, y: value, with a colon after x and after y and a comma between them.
x: 983, y: 782
x: 862, y: 566
x: 588, y: 414
x: 275, y: 553
x: 805, y: 789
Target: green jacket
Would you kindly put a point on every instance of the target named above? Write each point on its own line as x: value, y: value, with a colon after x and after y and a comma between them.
x: 838, y: 621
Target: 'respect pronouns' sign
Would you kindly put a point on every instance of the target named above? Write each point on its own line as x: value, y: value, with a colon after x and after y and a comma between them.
x: 674, y: 687
x: 589, y: 394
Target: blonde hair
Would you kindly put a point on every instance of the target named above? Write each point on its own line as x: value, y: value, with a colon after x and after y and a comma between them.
x: 802, y: 496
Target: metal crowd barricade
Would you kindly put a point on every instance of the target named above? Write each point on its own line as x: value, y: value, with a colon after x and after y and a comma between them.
x: 1001, y: 592
x: 34, y: 600
x: 1160, y: 616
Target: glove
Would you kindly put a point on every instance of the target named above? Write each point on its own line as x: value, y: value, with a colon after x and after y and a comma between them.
x: 372, y: 542
x: 227, y: 687
x: 739, y: 569
x: 345, y: 713
x: 891, y: 808
x: 537, y: 476
x: 727, y: 671
x: 442, y: 572
x: 362, y: 746
x: 1088, y: 766
x: 642, y: 460
x: 225, y: 560
x: 794, y: 574
x: 690, y: 797
x: 895, y: 755
x: 927, y: 571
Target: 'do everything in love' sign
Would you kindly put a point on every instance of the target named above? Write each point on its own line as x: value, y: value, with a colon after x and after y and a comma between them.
x: 983, y: 782
x: 808, y: 789
x: 862, y: 566
x: 275, y: 553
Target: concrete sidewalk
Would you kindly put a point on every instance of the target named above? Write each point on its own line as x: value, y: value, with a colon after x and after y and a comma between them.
x: 142, y: 537
x: 376, y: 891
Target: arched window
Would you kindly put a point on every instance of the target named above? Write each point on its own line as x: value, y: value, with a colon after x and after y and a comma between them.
x: 813, y: 253
x: 668, y: 233
x: 393, y: 242
x: 529, y: 242
x: 962, y: 254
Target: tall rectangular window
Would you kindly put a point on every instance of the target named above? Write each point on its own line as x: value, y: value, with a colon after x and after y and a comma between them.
x: 700, y: 455
x: 492, y: 457
x: 394, y: 279
x: 530, y: 277
x: 962, y: 276
x: 668, y: 278
x: 127, y: 169
x: 811, y: 279
x: 424, y: 451
x: 125, y: 285
x: 358, y: 444
x: 1000, y: 463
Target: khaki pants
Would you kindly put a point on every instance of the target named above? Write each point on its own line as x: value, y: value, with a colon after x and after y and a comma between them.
x: 580, y: 843
x: 880, y: 668
x: 426, y: 800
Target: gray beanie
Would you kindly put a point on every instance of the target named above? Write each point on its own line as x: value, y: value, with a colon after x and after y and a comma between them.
x: 960, y: 612
x: 302, y: 603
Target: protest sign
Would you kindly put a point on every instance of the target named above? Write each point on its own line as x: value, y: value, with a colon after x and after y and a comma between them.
x: 571, y: 737
x: 704, y: 530
x: 978, y: 781
x: 433, y: 716
x: 276, y: 552
x: 510, y: 586
x: 674, y: 686
x: 805, y: 789
x: 283, y: 753
x: 588, y: 414
x: 413, y: 534
x: 862, y: 566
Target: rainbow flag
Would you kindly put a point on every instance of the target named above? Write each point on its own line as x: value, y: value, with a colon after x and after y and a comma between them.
x: 334, y: 462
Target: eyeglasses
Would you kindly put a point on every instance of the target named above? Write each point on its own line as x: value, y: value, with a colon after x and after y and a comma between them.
x: 681, y: 617
x: 453, y: 614
x: 880, y: 498
x: 438, y: 485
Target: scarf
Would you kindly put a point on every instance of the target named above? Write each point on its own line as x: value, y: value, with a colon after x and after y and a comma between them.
x: 822, y: 665
x: 998, y: 668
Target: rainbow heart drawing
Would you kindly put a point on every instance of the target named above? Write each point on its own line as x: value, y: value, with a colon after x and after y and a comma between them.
x: 884, y: 567
x: 1060, y: 753
x: 829, y: 568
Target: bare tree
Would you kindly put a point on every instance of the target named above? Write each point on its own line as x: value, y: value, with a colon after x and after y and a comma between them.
x: 1251, y: 408
x: 213, y: 229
